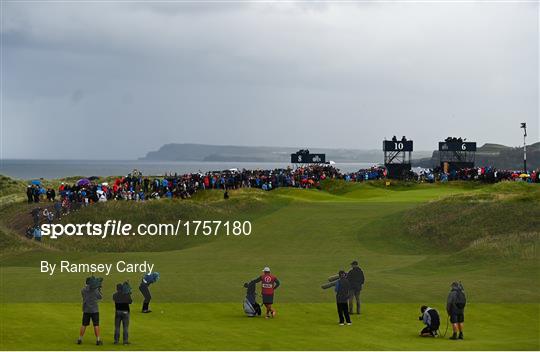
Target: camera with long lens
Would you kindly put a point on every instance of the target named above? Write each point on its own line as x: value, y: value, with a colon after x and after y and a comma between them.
x: 94, y: 282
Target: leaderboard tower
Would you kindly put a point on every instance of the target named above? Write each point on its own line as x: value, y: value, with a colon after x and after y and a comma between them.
x: 397, y: 157
x: 303, y: 156
x: 456, y: 153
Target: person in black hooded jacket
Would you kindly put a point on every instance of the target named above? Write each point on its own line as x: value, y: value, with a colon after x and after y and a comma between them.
x: 356, y: 279
x: 122, y: 300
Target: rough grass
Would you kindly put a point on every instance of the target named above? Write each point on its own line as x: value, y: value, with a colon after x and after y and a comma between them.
x: 9, y: 186
x: 11, y: 190
x: 499, y: 215
x: 14, y: 241
x: 522, y: 246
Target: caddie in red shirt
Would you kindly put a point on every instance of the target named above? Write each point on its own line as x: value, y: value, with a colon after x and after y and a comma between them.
x: 269, y: 283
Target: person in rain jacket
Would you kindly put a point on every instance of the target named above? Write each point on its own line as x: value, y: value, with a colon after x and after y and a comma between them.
x: 455, y: 307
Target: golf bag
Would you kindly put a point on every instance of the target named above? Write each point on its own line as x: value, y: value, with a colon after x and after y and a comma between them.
x: 251, y: 307
x: 29, y: 232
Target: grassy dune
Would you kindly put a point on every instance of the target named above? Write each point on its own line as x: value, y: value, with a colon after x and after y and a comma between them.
x: 411, y: 240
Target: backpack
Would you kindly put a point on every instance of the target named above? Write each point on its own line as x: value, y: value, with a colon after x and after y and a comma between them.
x: 30, y: 232
x: 435, y: 320
x: 461, y: 300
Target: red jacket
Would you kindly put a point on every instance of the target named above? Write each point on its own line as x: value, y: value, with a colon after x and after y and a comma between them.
x: 268, y: 284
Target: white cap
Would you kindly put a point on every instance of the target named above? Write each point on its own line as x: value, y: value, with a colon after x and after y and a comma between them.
x: 266, y: 269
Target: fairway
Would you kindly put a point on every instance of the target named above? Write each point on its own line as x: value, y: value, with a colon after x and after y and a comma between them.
x: 411, y: 240
x: 213, y: 326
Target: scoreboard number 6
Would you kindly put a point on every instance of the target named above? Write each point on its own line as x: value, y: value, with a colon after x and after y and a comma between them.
x: 463, y: 146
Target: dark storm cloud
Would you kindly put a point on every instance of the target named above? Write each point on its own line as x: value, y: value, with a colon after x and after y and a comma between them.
x: 114, y: 80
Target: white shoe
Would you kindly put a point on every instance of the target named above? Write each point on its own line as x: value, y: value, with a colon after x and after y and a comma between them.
x: 341, y: 324
x: 349, y: 323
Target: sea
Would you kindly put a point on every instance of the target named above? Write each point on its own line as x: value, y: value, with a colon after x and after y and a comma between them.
x: 48, y: 169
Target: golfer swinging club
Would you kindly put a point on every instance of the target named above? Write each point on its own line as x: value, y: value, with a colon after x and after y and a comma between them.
x: 146, y: 281
x: 268, y: 284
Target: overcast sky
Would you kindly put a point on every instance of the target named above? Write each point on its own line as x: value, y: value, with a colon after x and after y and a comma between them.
x: 114, y: 80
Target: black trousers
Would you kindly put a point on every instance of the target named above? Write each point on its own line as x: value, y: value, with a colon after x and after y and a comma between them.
x: 429, y: 330
x: 343, y: 312
x: 147, y: 296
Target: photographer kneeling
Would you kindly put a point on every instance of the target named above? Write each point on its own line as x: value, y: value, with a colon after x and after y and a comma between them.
x: 430, y: 317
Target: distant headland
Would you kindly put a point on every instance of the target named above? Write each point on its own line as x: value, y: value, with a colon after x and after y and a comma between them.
x: 492, y: 154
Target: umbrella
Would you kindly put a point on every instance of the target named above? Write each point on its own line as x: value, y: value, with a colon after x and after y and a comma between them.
x: 524, y: 176
x: 36, y: 182
x: 83, y: 182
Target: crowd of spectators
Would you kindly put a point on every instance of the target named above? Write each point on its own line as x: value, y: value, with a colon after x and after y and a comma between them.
x: 482, y: 174
x: 137, y: 187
